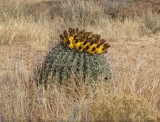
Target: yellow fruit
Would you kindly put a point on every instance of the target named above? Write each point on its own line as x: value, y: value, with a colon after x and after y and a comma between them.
x: 84, y: 41
x: 70, y: 44
x: 80, y: 49
x: 91, y: 50
x: 99, y: 50
x: 77, y: 44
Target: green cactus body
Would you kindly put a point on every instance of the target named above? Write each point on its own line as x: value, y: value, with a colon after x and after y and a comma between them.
x: 65, y: 61
x: 61, y: 63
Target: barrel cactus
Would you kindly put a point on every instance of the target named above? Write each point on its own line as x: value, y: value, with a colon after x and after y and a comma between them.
x: 80, y: 54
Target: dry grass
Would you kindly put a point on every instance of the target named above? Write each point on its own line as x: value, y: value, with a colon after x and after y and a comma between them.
x: 125, y: 108
x: 134, y: 58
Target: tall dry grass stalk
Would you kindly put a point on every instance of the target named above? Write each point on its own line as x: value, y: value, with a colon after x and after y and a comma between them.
x: 134, y: 59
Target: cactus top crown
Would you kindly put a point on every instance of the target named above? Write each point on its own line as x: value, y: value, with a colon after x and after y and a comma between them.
x: 84, y: 41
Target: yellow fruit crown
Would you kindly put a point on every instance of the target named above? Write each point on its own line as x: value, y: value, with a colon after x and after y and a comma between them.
x: 84, y: 41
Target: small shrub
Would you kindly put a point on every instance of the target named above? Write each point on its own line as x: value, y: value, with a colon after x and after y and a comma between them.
x: 151, y: 23
x: 121, y: 109
x: 112, y: 7
x: 45, y: 9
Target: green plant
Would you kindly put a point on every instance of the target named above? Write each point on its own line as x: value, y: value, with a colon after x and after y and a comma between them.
x: 65, y: 61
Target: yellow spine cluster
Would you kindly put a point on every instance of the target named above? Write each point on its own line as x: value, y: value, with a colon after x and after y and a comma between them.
x: 84, y: 41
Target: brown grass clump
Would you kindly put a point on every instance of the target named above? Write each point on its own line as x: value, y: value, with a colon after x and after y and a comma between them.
x: 125, y: 108
x: 151, y: 23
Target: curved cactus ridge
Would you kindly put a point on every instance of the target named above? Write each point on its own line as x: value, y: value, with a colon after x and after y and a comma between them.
x: 84, y: 41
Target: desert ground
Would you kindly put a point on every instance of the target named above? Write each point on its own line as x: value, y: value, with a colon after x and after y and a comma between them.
x: 29, y: 29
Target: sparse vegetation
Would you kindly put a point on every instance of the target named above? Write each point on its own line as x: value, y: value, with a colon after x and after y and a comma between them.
x: 27, y: 34
x: 121, y: 109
